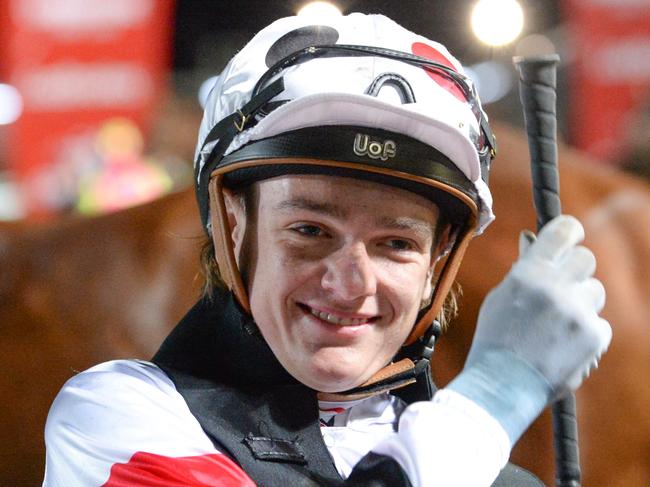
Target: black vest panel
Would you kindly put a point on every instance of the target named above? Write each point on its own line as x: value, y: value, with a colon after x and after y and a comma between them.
x: 257, y: 414
x: 269, y: 432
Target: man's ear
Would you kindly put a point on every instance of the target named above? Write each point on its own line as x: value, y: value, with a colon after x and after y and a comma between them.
x: 427, y: 292
x: 236, y: 212
x: 444, y: 244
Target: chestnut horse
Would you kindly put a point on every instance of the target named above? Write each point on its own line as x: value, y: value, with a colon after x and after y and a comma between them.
x: 87, y: 290
x: 82, y: 291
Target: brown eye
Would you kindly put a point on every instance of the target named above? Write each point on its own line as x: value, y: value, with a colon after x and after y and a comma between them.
x: 309, y: 230
x: 399, y: 244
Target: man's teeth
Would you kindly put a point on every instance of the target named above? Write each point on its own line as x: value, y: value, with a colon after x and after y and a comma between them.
x: 335, y: 320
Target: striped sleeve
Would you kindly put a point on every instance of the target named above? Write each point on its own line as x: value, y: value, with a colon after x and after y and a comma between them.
x: 123, y: 423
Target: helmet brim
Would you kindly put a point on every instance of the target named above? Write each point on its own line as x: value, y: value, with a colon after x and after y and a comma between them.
x: 341, y: 109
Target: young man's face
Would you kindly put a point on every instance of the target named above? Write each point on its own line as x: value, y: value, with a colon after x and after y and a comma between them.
x: 338, y: 270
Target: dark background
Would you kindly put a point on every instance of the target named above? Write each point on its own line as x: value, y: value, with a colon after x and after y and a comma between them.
x: 203, y: 24
x: 207, y: 33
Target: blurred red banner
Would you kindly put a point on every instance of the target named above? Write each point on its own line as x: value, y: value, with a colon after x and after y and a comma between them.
x: 76, y: 64
x: 610, y: 76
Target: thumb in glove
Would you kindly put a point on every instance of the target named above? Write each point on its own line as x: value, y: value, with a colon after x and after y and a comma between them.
x: 526, y: 239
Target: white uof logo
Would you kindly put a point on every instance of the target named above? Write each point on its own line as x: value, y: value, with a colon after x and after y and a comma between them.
x: 374, y: 149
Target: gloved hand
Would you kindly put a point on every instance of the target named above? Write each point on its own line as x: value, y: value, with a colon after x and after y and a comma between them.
x: 538, y: 332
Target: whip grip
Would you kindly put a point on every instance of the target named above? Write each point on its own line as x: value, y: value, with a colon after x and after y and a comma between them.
x: 537, y: 80
x: 537, y: 83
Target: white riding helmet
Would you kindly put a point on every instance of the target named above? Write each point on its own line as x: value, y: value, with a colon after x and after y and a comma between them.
x: 357, y: 96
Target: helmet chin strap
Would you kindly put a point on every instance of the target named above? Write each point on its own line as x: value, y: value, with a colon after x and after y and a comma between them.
x: 395, y: 374
x: 223, y: 248
x: 445, y: 281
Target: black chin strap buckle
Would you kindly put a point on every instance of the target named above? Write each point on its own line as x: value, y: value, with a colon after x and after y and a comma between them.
x: 424, y: 346
x: 428, y: 340
x: 420, y: 353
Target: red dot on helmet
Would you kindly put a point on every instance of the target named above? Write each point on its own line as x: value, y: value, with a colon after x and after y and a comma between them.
x: 424, y: 50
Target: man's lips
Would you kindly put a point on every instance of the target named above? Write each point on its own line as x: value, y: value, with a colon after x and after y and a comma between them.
x: 339, y: 318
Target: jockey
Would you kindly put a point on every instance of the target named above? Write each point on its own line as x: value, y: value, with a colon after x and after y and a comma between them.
x: 341, y: 171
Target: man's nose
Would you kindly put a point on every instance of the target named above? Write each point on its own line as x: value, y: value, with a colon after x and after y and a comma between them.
x: 350, y: 273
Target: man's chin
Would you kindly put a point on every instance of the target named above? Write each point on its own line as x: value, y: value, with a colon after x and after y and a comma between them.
x: 334, y: 381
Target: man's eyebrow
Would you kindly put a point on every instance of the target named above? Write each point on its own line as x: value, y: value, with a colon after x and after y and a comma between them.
x: 417, y: 225
x: 300, y: 203
x: 421, y: 227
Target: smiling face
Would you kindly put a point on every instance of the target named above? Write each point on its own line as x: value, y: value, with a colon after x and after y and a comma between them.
x: 338, y: 270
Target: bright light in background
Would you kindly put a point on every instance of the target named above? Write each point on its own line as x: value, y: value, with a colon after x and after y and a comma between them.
x: 319, y: 10
x: 493, y: 80
x: 205, y: 88
x: 497, y: 22
x: 11, y: 104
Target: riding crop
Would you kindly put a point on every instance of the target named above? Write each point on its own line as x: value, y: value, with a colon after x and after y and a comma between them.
x: 537, y: 82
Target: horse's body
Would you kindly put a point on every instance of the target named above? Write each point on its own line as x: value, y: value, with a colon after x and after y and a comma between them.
x: 84, y: 291
x: 79, y: 292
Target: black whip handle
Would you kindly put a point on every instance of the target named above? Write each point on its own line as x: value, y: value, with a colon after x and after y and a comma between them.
x: 537, y: 78
x: 537, y: 82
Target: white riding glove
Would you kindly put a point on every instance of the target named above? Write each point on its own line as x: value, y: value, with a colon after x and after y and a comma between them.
x: 538, y: 332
